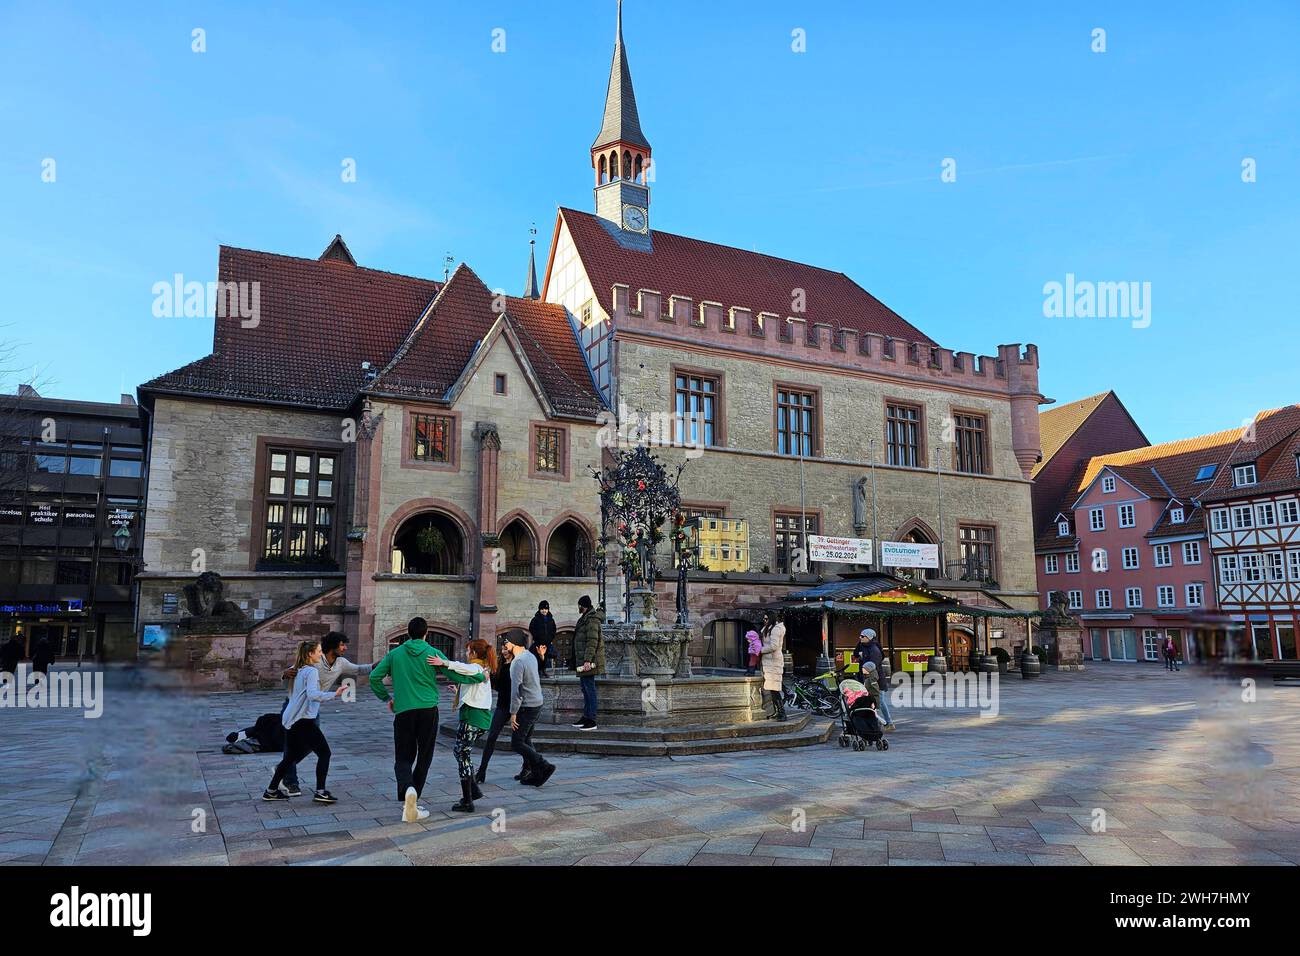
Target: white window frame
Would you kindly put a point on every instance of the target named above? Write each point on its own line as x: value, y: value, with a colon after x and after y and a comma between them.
x: 1102, y: 598
x: 1107, y: 484
x: 1164, y: 555
x: 1062, y: 529
x: 1127, y: 516
x: 1132, y: 597
x: 1252, y: 567
x: 1195, y: 594
x: 1191, y: 552
x: 1100, y: 560
x: 1244, y: 475
x: 1151, y: 643
x: 1051, y: 564
x: 1166, y: 596
x: 1097, y: 519
x: 1126, y: 555
x: 1072, y: 562
x: 1219, y: 520
x: 1243, y: 511
x: 1265, y: 515
x: 1288, y: 511
x: 1076, y: 600
x: 1274, y: 566
x: 1177, y: 516
x: 1229, y: 569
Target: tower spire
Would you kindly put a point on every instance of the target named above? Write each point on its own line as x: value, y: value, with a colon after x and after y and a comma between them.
x: 621, y: 123
x: 530, y: 284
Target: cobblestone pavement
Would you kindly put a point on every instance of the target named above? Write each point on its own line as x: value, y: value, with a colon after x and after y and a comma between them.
x: 1183, y: 769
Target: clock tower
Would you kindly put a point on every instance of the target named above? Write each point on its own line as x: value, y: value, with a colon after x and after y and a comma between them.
x: 620, y: 157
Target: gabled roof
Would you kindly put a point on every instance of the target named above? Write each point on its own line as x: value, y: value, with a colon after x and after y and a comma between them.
x: 708, y: 272
x: 318, y: 320
x: 1271, y: 444
x: 321, y: 320
x: 1166, y: 470
x: 456, y: 325
x: 1056, y: 425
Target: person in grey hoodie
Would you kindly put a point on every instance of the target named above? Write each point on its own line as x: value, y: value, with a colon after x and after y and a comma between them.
x: 302, y: 732
x: 525, y: 707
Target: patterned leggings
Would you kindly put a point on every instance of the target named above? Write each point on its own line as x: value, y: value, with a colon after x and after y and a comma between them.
x: 463, y: 748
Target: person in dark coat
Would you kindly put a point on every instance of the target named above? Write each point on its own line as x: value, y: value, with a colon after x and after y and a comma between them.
x: 869, y: 651
x: 542, y: 629
x: 43, y: 656
x: 11, y: 652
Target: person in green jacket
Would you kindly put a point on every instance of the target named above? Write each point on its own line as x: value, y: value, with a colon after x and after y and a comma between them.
x: 475, y: 694
x: 589, y: 653
x: 414, y: 703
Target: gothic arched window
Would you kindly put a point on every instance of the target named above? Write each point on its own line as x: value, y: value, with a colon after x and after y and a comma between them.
x: 638, y: 176
x: 602, y: 170
x: 627, y: 165
x: 613, y: 165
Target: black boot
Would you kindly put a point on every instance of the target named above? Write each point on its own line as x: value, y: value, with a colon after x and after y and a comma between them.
x: 466, y: 804
x: 780, y: 705
x: 475, y: 791
x: 481, y: 776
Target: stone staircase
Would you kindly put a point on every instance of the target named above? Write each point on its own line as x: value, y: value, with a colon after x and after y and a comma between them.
x: 801, y: 730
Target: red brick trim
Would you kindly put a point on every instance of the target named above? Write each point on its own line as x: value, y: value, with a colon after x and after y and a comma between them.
x: 468, y: 529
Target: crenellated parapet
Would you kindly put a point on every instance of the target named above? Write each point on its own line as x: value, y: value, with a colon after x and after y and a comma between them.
x: 1013, y: 371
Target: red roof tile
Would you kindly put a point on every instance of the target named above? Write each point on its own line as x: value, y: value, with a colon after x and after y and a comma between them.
x: 706, y: 271
x: 320, y: 319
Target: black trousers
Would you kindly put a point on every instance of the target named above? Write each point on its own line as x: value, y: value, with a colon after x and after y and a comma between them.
x: 522, y: 740
x: 303, y: 738
x: 500, y: 720
x: 414, y: 734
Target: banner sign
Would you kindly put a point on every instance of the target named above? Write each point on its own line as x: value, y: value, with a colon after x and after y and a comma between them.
x: 906, y: 554
x: 839, y: 550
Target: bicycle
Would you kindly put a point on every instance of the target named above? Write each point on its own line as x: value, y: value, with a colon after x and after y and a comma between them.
x: 811, y: 693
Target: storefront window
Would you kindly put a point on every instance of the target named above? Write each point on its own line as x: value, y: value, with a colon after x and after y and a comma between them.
x: 124, y: 468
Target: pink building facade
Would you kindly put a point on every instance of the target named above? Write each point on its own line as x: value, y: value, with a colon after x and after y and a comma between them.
x: 1129, y: 549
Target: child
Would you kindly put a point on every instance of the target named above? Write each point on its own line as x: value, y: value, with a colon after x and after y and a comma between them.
x: 475, y: 692
x: 754, y: 647
x: 303, y: 734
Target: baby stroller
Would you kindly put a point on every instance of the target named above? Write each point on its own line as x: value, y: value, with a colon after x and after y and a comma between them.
x: 859, y: 724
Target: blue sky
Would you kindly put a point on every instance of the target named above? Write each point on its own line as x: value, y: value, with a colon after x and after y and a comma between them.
x: 1115, y: 166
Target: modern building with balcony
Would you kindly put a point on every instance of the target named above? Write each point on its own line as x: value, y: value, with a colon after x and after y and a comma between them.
x: 71, y: 485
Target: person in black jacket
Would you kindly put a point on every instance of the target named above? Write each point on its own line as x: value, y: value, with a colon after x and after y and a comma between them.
x: 869, y: 651
x: 43, y: 656
x: 500, y: 716
x: 542, y: 630
x: 10, y: 654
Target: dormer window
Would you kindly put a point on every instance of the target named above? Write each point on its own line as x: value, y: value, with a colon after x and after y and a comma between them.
x: 1063, y: 529
x: 1243, y: 475
x: 1108, y: 484
x: 1175, y: 515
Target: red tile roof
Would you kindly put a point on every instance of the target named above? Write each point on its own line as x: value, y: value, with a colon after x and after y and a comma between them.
x: 441, y: 344
x: 320, y: 319
x: 1271, y: 444
x: 706, y: 271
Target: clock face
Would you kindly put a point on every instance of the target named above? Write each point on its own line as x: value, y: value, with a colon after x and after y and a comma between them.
x: 634, y: 218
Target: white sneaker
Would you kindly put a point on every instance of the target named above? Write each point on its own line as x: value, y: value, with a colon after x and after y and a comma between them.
x: 410, y: 812
x: 421, y: 814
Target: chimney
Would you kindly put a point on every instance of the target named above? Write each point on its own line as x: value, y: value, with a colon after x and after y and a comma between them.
x: 27, y: 391
x: 127, y: 399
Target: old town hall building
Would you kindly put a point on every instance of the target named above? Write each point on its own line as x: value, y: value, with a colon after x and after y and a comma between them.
x: 377, y: 446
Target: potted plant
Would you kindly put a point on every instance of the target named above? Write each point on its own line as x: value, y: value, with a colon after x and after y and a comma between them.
x: 1004, y: 659
x: 430, y: 540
